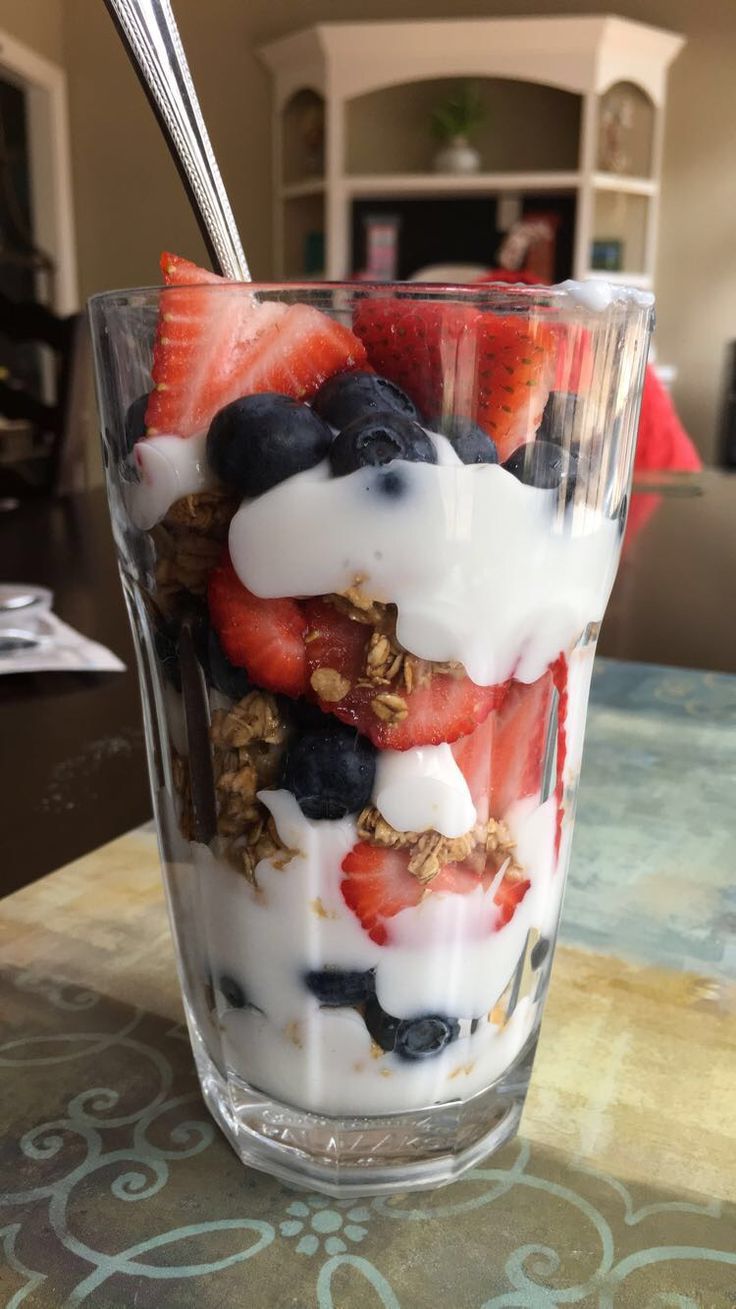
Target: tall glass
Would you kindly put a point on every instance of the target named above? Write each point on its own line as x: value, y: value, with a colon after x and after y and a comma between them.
x: 365, y: 611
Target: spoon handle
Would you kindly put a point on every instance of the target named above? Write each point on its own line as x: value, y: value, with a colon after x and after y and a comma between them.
x: 151, y: 38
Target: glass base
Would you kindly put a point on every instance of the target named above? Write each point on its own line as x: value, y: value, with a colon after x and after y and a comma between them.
x: 344, y: 1157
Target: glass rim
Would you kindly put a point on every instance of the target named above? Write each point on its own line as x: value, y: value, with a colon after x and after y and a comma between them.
x: 625, y: 301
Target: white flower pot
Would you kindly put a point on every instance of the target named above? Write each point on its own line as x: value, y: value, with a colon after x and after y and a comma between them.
x: 458, y: 156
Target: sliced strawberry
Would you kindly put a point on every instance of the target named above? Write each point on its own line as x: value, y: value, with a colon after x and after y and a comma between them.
x: 182, y: 272
x: 443, y: 710
x: 458, y: 879
x: 377, y: 885
x: 266, y: 637
x: 505, y: 370
x: 456, y: 359
x: 203, y: 339
x: 415, y: 345
x: 213, y: 346
x: 559, y: 673
x: 299, y: 353
x: 519, y: 738
x: 509, y: 893
x: 473, y: 756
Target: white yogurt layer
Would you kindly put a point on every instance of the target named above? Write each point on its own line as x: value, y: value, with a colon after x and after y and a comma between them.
x: 332, y: 1069
x: 444, y: 956
x: 423, y: 789
x: 483, y: 569
x: 169, y: 467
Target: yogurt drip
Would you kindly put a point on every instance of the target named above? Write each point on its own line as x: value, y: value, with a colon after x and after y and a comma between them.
x: 421, y: 790
x: 483, y: 569
x: 169, y: 467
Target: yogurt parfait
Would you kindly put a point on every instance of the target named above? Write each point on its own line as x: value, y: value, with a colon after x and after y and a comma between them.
x: 367, y: 537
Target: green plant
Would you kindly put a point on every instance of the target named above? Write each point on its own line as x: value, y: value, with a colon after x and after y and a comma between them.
x: 460, y: 113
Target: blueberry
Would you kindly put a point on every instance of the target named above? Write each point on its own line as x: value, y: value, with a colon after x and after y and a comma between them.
x: 134, y: 425
x: 258, y: 441
x: 390, y: 483
x: 330, y: 772
x: 378, y: 438
x: 422, y: 1038
x: 224, y: 676
x: 539, y: 953
x: 382, y: 1026
x: 335, y: 986
x: 471, y: 443
x: 539, y: 463
x: 232, y: 992
x: 558, y: 417
x: 410, y: 1038
x: 347, y: 396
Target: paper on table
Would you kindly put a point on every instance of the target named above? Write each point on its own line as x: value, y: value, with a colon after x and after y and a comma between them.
x: 48, y: 645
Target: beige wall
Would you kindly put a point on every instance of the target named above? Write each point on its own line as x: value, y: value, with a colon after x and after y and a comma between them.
x: 38, y: 23
x: 129, y: 202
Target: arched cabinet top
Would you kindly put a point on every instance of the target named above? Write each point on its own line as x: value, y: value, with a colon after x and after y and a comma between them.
x: 582, y: 55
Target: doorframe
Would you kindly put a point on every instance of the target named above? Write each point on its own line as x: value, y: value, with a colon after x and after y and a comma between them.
x: 50, y: 162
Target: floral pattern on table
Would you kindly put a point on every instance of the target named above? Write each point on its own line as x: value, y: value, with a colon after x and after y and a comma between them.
x: 117, y: 1189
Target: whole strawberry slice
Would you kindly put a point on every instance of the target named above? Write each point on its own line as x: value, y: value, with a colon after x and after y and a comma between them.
x: 454, y: 359
x: 392, y: 717
x: 215, y: 345
x: 266, y: 637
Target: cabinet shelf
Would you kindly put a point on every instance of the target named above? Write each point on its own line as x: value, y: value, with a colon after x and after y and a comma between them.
x: 624, y: 184
x: 297, y: 190
x: 427, y: 184
x: 353, y: 100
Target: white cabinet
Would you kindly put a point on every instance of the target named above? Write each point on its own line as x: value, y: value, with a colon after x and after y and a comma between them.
x: 575, y: 107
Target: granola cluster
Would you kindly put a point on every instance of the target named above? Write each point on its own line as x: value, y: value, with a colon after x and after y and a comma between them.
x: 247, y: 745
x: 248, y: 741
x: 430, y: 851
x: 188, y: 543
x: 388, y: 669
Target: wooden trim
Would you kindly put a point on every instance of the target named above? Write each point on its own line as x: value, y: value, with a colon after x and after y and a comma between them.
x: 443, y: 183
x: 586, y: 162
x: 50, y: 161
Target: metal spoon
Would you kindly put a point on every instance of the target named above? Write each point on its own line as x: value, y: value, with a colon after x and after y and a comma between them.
x: 151, y: 38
